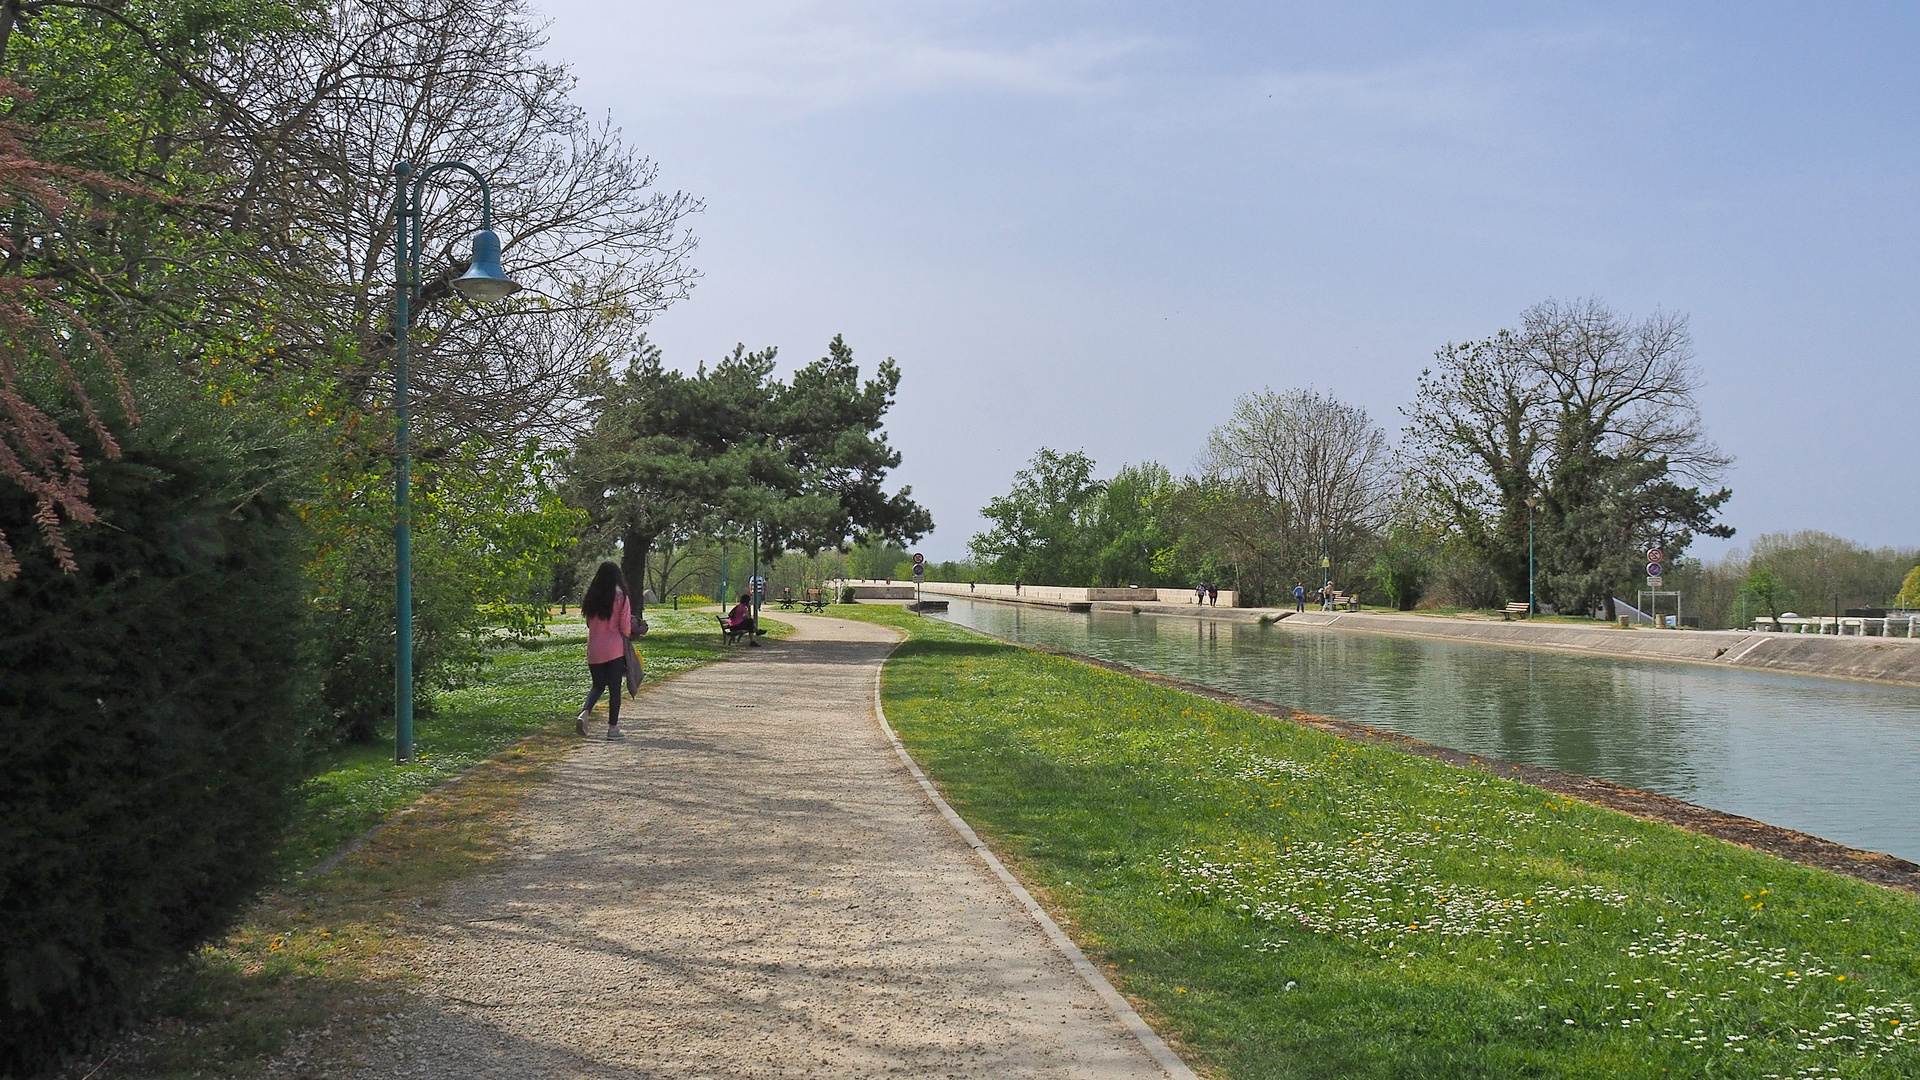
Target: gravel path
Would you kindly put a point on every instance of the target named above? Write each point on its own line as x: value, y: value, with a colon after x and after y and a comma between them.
x: 748, y: 884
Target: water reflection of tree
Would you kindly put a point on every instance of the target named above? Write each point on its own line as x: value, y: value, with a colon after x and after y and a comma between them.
x: 1619, y: 720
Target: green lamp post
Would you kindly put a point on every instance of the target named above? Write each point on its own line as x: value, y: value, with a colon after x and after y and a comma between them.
x: 484, y: 280
x: 1533, y: 603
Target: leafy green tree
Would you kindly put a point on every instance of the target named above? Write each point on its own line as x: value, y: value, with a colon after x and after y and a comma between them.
x: 1038, y: 532
x: 1767, y: 592
x: 799, y: 464
x: 1909, y: 595
x: 487, y: 531
x: 1403, y: 565
x: 1130, y: 525
x: 1599, y: 514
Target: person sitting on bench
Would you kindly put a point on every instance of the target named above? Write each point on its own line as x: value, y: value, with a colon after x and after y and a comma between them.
x: 741, y: 621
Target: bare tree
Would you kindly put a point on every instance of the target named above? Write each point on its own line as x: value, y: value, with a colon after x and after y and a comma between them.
x: 1286, y: 474
x: 1582, y: 416
x: 1615, y: 386
x: 314, y: 123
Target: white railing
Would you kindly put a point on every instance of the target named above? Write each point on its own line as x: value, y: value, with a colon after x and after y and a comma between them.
x: 1900, y: 626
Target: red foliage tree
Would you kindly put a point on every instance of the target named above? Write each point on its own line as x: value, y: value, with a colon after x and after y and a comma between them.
x: 41, y: 328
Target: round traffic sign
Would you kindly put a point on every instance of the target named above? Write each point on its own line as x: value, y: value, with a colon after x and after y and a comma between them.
x: 1653, y: 569
x: 918, y: 558
x: 1653, y: 555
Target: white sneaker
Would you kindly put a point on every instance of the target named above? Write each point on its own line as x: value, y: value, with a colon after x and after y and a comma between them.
x: 580, y: 722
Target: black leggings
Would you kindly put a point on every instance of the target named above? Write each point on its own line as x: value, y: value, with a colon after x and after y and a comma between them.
x: 608, y: 676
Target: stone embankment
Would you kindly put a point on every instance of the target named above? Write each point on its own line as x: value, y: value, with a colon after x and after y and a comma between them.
x: 1894, y: 660
x: 1879, y: 659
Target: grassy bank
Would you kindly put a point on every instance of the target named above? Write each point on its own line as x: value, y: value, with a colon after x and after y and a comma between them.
x: 523, y: 686
x: 1290, y: 905
x: 325, y: 957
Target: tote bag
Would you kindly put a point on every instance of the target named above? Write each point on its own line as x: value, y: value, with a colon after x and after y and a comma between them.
x: 636, y: 670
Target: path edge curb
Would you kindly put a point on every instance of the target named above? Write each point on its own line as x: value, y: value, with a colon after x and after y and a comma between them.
x: 1149, y: 1040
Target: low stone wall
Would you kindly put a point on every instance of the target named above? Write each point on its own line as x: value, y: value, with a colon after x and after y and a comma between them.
x: 1049, y: 595
x: 875, y: 590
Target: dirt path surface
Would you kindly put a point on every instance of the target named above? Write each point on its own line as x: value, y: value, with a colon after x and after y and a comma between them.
x: 747, y: 884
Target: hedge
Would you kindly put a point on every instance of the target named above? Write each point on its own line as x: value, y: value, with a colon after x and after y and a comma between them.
x: 148, y: 734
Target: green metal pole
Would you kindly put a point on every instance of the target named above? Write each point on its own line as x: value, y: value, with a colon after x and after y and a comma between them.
x: 402, y: 507
x: 406, y: 257
x: 1326, y: 570
x: 1532, y: 607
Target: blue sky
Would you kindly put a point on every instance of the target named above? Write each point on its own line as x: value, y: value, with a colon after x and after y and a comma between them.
x: 1092, y: 225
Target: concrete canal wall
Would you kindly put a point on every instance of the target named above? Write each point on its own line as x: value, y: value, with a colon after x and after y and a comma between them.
x: 1877, y: 659
x: 1895, y: 660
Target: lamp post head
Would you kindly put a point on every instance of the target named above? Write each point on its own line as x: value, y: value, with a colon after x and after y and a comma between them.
x: 484, y: 279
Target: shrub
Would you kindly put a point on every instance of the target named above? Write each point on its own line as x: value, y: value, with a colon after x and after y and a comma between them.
x: 147, y: 727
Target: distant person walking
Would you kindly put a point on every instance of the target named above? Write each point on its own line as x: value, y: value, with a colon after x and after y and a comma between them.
x: 1299, y: 597
x: 1200, y: 592
x: 609, y: 618
x: 1213, y: 595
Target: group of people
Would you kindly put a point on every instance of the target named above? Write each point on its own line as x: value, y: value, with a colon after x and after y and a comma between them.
x: 1326, y: 592
x: 1206, y: 595
x: 612, y: 629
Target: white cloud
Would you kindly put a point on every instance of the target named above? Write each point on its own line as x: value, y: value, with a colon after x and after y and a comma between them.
x: 805, y: 56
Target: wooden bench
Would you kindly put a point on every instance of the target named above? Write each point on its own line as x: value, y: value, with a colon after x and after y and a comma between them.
x: 1515, y: 607
x: 786, y: 599
x: 813, y: 600
x: 728, y: 632
x: 1347, y: 601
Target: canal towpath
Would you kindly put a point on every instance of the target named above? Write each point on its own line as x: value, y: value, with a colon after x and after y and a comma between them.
x: 752, y: 881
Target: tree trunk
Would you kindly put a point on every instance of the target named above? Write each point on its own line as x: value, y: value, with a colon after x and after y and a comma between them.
x: 9, y: 17
x: 634, y: 547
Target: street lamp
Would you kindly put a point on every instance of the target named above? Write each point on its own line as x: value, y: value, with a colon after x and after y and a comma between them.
x: 1532, y: 607
x: 484, y: 280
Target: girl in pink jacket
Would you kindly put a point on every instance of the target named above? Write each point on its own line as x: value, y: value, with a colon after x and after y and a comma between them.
x: 609, y: 622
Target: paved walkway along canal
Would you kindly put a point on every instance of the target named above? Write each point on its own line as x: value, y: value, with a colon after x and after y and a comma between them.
x: 749, y: 884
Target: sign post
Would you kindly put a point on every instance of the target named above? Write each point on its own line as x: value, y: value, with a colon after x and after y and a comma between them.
x: 919, y: 575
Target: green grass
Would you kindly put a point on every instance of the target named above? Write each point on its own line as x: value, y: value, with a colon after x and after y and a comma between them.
x: 1287, y: 904
x: 522, y: 687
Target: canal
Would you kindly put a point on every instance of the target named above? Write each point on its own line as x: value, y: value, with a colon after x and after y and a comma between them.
x: 1835, y: 758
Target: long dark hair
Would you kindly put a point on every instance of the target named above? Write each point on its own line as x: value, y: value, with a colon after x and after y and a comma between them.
x: 598, y: 603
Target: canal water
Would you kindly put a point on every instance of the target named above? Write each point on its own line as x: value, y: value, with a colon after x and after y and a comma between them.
x: 1835, y: 758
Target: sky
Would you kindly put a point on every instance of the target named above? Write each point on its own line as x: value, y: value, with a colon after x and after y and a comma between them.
x: 1092, y: 225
